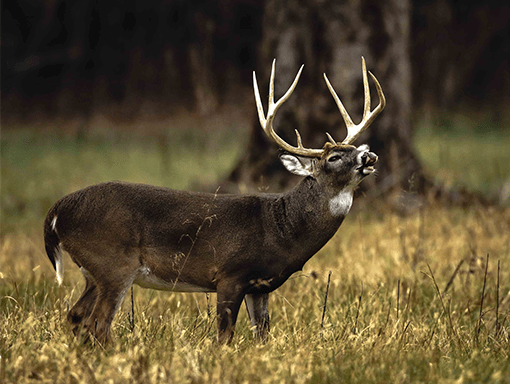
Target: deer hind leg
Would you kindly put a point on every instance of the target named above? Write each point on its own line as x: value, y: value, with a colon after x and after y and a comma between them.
x: 258, y: 312
x: 109, y: 272
x: 83, y: 307
x: 229, y: 299
x: 109, y: 298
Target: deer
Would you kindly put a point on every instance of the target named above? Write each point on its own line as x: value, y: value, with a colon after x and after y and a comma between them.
x: 240, y: 246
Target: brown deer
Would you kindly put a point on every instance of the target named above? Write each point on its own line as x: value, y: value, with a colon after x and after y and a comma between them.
x: 239, y: 246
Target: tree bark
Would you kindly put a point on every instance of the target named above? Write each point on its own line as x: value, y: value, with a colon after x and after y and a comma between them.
x: 331, y: 36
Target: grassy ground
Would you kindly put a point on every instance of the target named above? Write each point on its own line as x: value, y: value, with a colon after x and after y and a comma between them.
x: 411, y: 298
x: 469, y: 153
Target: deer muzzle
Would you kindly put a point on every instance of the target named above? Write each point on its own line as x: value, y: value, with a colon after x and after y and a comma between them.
x: 368, y: 159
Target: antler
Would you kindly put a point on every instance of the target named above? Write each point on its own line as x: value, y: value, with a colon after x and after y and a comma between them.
x: 353, y: 130
x: 267, y: 122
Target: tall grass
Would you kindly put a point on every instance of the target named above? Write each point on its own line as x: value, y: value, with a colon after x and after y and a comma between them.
x: 385, y: 320
x: 404, y: 302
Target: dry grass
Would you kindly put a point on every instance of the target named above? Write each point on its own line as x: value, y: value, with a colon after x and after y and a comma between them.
x: 385, y: 321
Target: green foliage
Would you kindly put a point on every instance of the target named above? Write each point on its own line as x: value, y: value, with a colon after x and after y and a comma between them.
x: 467, y: 153
x: 39, y: 169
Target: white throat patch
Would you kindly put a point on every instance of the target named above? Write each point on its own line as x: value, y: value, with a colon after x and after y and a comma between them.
x: 341, y: 203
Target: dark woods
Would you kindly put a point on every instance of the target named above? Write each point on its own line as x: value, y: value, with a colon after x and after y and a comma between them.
x: 87, y: 53
x: 67, y: 57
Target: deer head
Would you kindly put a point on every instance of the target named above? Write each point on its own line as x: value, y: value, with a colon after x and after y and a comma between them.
x: 339, y: 165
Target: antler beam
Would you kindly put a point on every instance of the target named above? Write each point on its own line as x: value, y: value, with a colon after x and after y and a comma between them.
x: 353, y: 130
x: 267, y: 122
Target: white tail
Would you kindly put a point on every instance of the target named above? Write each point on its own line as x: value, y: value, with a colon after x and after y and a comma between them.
x: 239, y: 246
x: 59, y: 265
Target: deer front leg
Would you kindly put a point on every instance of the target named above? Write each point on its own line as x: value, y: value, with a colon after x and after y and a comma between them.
x: 258, y: 312
x: 229, y: 299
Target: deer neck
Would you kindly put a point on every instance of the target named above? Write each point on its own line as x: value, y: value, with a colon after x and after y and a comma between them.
x: 314, y: 211
x: 313, y: 198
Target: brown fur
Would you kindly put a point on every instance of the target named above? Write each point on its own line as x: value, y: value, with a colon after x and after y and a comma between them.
x: 235, y: 245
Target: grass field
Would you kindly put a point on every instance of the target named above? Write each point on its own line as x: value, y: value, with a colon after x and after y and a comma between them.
x: 411, y: 299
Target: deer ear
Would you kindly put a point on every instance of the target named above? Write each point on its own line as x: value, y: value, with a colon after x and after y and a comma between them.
x: 301, y: 166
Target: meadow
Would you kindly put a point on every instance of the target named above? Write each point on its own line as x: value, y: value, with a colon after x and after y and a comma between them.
x: 420, y: 296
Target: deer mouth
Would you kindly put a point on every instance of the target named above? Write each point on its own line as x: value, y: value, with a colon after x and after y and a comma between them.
x: 365, y: 171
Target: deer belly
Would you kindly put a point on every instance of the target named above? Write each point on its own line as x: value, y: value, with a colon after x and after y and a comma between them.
x: 146, y: 279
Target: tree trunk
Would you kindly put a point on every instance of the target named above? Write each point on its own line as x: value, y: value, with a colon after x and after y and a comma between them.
x: 330, y: 37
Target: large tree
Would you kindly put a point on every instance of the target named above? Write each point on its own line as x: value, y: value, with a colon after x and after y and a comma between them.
x: 330, y: 37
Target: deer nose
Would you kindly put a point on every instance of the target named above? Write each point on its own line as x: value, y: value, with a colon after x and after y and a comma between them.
x: 369, y: 158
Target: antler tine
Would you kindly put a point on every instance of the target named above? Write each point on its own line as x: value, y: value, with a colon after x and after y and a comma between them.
x: 366, y: 89
x: 354, y: 130
x: 260, y: 108
x: 380, y: 94
x: 267, y: 122
x: 343, y: 111
x: 271, y: 84
x: 298, y: 137
x: 330, y: 138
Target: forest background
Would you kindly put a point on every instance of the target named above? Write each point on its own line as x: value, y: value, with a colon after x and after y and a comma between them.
x: 160, y: 92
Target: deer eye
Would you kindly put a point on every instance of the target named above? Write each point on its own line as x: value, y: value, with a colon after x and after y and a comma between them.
x: 334, y: 158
